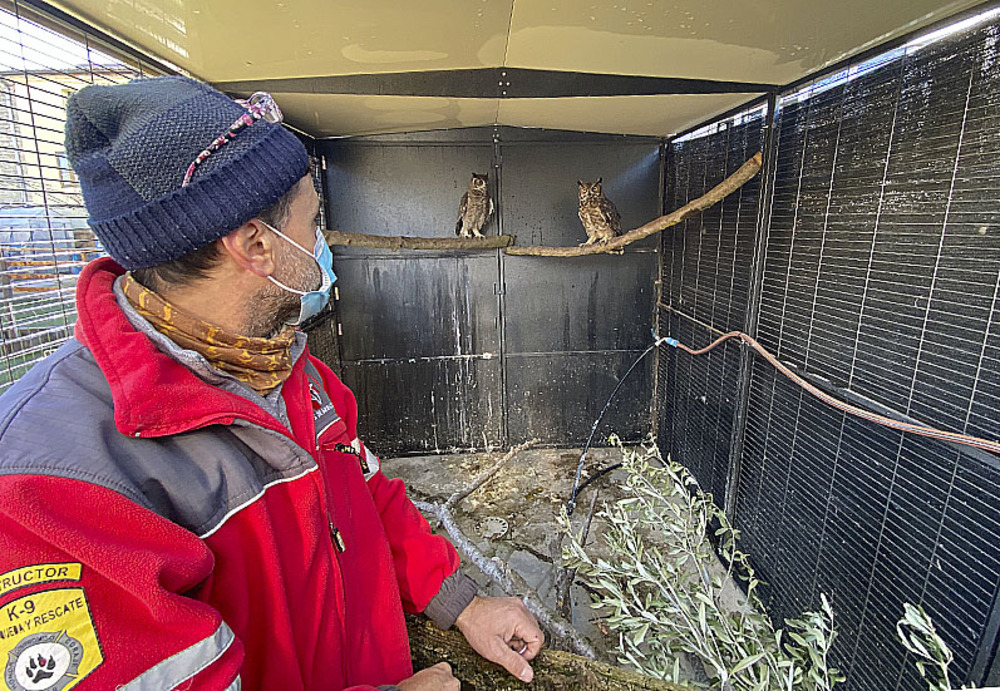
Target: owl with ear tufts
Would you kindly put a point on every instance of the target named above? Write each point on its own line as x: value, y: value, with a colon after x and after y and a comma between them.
x: 476, y: 208
x: 597, y: 213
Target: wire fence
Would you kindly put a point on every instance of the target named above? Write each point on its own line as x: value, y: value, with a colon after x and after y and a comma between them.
x: 880, y: 285
x: 44, y: 238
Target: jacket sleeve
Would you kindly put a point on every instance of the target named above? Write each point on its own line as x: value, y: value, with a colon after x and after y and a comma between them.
x: 93, y: 585
x: 426, y: 564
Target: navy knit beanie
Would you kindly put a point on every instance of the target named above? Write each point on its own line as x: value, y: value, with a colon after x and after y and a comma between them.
x: 131, y: 144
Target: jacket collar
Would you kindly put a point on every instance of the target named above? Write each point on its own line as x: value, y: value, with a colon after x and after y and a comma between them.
x: 154, y: 394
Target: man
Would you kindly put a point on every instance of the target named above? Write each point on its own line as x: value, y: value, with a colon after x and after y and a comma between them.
x: 184, y: 502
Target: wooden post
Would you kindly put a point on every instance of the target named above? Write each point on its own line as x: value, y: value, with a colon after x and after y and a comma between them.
x: 554, y: 669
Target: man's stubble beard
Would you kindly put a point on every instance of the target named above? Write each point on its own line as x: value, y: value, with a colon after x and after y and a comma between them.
x: 268, y: 310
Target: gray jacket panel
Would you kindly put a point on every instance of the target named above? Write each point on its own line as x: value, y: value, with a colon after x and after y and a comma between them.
x: 58, y: 420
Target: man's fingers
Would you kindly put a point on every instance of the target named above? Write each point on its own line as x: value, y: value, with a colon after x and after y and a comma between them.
x: 530, y: 634
x: 526, y: 649
x: 534, y: 647
x: 512, y: 662
x: 449, y: 681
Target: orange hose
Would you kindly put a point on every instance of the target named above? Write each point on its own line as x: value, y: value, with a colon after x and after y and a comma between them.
x: 912, y: 427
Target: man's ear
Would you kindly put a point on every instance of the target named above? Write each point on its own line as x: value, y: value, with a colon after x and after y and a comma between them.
x: 252, y: 248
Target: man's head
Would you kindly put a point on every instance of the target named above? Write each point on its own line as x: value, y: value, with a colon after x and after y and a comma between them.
x: 178, y: 217
x: 238, y: 264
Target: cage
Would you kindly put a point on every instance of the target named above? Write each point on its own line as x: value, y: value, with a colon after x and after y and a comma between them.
x: 819, y: 179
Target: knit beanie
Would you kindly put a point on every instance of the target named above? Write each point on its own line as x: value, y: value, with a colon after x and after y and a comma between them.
x: 131, y: 144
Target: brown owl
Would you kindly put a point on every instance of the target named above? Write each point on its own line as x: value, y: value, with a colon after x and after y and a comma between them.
x: 476, y: 208
x: 599, y: 216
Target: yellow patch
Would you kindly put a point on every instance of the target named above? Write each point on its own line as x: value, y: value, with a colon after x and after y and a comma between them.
x: 48, y: 641
x: 39, y: 573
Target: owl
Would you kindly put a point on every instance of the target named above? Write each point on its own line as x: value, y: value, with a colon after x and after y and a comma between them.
x: 476, y: 208
x: 599, y: 216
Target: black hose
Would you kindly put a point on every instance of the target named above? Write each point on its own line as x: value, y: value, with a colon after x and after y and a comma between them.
x: 577, y: 487
x: 599, y: 474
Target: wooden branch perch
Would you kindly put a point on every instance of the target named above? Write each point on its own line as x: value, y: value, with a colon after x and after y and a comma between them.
x: 401, y: 242
x: 506, y: 242
x: 501, y: 574
x: 710, y: 198
x: 555, y: 670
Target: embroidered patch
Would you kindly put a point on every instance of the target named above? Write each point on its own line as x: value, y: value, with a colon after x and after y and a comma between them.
x: 39, y: 573
x: 324, y: 414
x: 48, y: 641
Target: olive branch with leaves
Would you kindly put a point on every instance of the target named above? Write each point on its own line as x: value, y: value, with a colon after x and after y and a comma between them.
x: 662, y: 592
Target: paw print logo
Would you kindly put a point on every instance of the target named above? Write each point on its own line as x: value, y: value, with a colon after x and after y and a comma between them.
x: 43, y: 662
x: 40, y: 668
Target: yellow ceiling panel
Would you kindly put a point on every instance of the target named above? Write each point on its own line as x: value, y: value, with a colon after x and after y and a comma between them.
x: 761, y: 41
x: 657, y: 116
x: 331, y: 115
x: 772, y: 41
x: 225, y: 40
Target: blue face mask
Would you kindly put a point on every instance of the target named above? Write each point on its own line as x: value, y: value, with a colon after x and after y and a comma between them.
x: 311, y: 302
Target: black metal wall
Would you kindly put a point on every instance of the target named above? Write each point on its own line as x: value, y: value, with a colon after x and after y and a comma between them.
x: 457, y: 350
x: 880, y: 281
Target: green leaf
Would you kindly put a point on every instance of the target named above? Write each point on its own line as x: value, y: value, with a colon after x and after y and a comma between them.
x: 747, y: 662
x: 640, y: 634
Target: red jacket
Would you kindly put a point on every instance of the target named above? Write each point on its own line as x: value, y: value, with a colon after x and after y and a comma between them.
x: 159, y: 531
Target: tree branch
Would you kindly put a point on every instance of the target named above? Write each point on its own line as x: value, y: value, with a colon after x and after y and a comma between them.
x: 481, y: 479
x: 564, y: 598
x: 506, y: 242
x: 555, y: 670
x: 402, y: 242
x: 746, y: 172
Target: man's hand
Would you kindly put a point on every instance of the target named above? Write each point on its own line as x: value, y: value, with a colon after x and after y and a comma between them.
x: 502, y: 630
x: 436, y: 678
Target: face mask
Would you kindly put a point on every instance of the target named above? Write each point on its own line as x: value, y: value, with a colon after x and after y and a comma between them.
x: 311, y: 302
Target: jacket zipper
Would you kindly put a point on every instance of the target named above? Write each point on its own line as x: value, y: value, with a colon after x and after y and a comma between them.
x: 338, y: 539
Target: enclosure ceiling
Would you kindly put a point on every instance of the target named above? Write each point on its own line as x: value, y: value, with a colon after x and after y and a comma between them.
x: 336, y: 66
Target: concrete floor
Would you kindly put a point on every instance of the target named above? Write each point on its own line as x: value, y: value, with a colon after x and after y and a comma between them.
x: 513, y: 516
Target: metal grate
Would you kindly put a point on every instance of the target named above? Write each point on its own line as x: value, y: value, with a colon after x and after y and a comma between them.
x: 705, y: 275
x: 881, y: 279
x: 44, y: 238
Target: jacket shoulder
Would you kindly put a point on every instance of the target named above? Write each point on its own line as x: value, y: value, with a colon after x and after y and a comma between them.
x: 58, y: 418
x: 59, y: 421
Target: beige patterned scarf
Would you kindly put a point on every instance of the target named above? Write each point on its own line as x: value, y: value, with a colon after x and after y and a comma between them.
x: 262, y: 363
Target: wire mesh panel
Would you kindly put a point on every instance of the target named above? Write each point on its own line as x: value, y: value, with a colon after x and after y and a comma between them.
x: 706, y: 277
x: 880, y: 282
x: 44, y: 238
